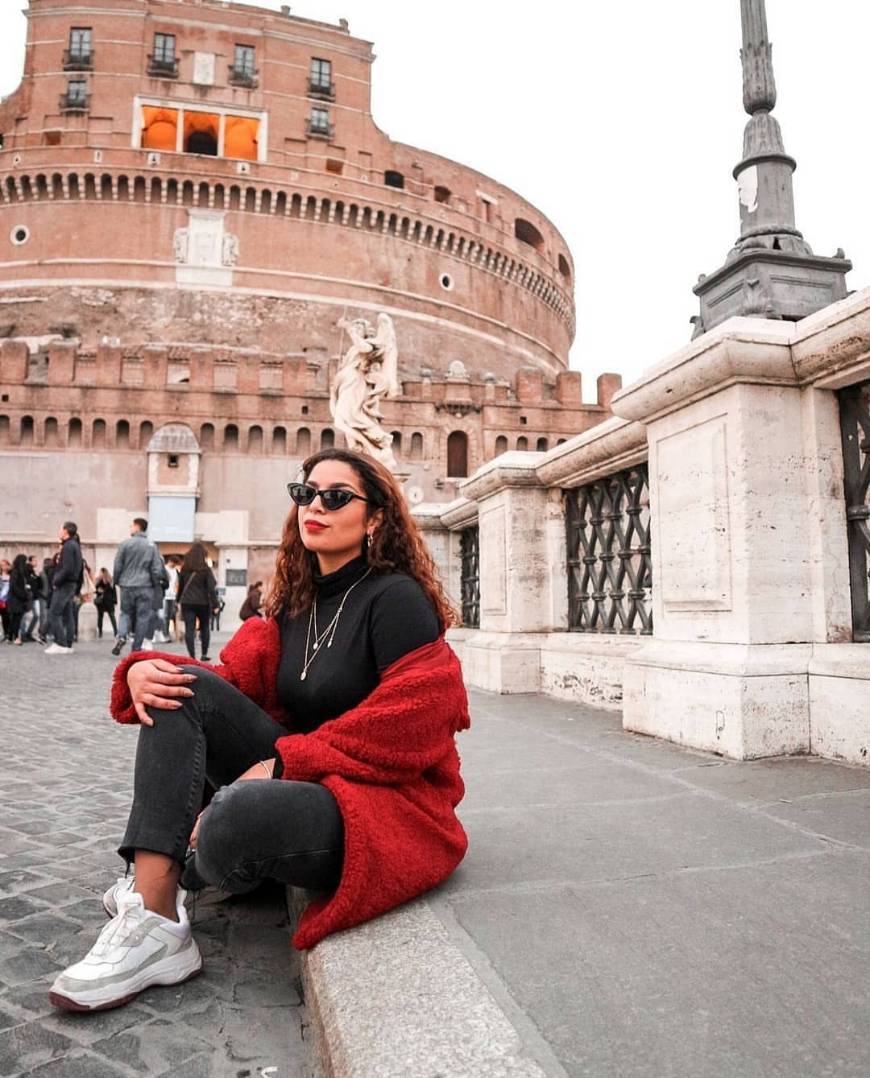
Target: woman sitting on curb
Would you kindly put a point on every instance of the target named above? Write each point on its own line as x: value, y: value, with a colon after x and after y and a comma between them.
x: 347, y: 693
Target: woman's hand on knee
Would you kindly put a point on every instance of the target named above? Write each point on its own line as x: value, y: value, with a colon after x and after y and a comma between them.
x: 157, y: 683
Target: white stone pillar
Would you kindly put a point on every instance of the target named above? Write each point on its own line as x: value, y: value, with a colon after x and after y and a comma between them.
x: 737, y: 545
x: 515, y: 602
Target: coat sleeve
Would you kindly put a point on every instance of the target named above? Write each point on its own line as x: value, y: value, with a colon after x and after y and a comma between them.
x: 118, y: 566
x: 248, y: 661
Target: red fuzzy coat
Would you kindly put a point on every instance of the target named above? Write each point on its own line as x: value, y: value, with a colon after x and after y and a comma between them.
x: 391, y: 763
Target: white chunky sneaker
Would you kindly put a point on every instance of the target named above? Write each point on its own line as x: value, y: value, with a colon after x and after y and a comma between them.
x: 135, y: 950
x: 120, y: 887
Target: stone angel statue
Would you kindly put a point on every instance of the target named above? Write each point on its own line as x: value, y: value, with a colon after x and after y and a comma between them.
x: 367, y: 372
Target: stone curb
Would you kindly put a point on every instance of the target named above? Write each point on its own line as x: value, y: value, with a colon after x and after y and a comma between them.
x: 396, y: 998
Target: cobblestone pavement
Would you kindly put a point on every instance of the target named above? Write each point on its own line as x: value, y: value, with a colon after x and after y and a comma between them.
x: 65, y: 781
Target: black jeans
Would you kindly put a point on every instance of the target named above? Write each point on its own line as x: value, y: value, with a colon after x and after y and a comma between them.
x: 108, y: 611
x: 191, y: 615
x: 274, y: 829
x: 61, y: 618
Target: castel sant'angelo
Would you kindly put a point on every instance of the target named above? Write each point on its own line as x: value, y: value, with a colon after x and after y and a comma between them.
x: 199, y: 214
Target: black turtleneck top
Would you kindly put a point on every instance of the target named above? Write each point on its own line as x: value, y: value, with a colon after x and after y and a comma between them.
x: 386, y: 616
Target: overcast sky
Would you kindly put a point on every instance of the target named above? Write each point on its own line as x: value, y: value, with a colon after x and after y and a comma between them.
x: 621, y: 120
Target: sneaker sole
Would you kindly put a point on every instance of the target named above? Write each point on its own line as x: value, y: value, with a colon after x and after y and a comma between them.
x: 66, y: 1003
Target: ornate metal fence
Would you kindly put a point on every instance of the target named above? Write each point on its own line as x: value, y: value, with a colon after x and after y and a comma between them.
x: 609, y: 570
x: 855, y: 428
x: 469, y: 577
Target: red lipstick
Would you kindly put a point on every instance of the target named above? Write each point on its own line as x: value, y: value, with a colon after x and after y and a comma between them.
x: 315, y: 526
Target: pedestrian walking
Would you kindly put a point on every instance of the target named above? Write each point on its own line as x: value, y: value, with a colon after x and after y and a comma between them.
x: 347, y: 693
x: 251, y: 606
x: 67, y: 580
x: 197, y: 595
x: 30, y: 622
x: 138, y: 566
x: 170, y: 611
x: 5, y: 571
x: 105, y: 600
x: 18, y: 600
x: 45, y: 579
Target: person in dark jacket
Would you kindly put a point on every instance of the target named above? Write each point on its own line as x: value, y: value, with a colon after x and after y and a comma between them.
x: 251, y: 605
x: 65, y: 583
x: 45, y: 579
x: 105, y: 600
x: 30, y: 623
x: 197, y: 594
x: 18, y: 599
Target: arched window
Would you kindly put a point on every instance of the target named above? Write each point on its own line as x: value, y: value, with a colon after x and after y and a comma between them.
x: 542, y: 445
x: 146, y: 429
x: 98, y: 434
x: 526, y: 232
x: 27, y: 430
x: 303, y: 442
x: 74, y: 435
x: 122, y: 434
x: 231, y: 437
x: 327, y: 438
x: 4, y: 430
x: 255, y: 440
x: 416, y: 446
x: 279, y: 440
x: 561, y: 441
x: 50, y: 436
x: 396, y: 435
x: 457, y: 454
x: 500, y: 445
x: 206, y: 436
x: 565, y: 267
x: 522, y: 443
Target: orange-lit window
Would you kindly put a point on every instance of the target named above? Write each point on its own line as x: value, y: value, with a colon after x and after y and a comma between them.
x: 241, y: 137
x: 201, y: 132
x: 159, y: 128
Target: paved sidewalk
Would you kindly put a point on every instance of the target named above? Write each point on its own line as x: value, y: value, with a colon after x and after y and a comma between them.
x: 65, y: 779
x: 642, y: 910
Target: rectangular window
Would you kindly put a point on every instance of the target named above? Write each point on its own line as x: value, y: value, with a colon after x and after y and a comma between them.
x: 80, y: 40
x: 164, y: 48
x: 77, y: 92
x: 244, y: 60
x: 320, y: 77
x: 319, y: 121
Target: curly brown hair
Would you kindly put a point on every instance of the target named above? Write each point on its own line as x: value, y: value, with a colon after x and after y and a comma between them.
x: 396, y: 547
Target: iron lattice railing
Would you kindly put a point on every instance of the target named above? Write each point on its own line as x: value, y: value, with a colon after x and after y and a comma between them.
x: 855, y: 429
x: 609, y: 569
x: 469, y: 577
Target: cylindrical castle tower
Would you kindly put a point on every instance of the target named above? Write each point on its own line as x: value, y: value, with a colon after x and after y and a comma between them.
x: 217, y: 168
x: 193, y: 197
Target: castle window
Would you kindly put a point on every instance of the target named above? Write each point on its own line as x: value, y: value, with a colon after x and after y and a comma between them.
x: 162, y: 63
x: 564, y: 267
x: 335, y: 167
x: 173, y: 460
x: 442, y: 194
x: 457, y: 455
x: 201, y: 133
x: 76, y: 97
x: 327, y: 438
x: 243, y: 72
x: 522, y: 444
x: 416, y: 446
x: 320, y: 78
x: 394, y: 179
x: 526, y: 232
x: 542, y: 445
x: 500, y: 445
x: 318, y: 122
x: 79, y: 56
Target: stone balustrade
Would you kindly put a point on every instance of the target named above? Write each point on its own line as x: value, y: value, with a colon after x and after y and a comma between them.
x: 757, y: 645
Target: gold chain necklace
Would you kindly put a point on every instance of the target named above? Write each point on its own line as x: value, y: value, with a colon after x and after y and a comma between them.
x: 329, y: 631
